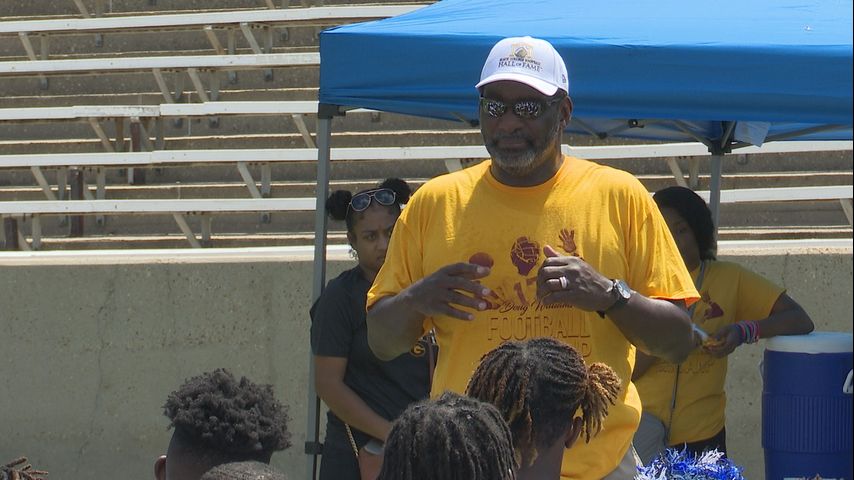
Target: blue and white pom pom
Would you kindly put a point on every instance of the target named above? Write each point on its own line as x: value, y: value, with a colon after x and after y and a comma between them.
x: 680, y: 465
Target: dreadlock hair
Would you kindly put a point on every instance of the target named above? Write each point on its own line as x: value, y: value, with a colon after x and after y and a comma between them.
x: 539, y: 385
x: 217, y: 417
x: 693, y: 209
x: 451, y: 438
x: 20, y: 469
x: 243, y: 471
x: 338, y: 202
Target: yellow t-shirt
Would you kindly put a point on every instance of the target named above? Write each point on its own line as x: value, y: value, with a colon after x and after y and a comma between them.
x: 729, y: 293
x: 600, y: 214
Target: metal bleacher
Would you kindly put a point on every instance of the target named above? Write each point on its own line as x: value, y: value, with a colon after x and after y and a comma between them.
x: 154, y: 121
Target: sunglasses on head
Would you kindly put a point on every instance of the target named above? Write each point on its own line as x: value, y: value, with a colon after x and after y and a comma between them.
x: 528, y: 109
x: 383, y: 196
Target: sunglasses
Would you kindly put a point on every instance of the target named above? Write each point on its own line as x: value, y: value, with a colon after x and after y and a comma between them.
x: 383, y: 196
x: 527, y: 109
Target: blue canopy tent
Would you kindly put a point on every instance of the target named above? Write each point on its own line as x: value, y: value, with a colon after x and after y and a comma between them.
x: 728, y: 74
x: 663, y: 70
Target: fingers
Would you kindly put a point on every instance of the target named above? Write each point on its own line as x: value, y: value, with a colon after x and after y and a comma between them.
x: 565, y: 276
x: 459, y: 277
x: 451, y: 289
x: 463, y: 269
x: 452, y: 304
x: 554, y: 286
x: 557, y: 261
x: 549, y: 251
x: 550, y: 281
x: 719, y: 352
x: 725, y: 343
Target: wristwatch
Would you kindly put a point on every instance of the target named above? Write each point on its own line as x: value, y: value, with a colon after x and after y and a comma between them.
x: 621, y: 292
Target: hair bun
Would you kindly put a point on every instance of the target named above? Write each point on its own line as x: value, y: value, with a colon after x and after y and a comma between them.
x: 337, y: 203
x: 400, y: 188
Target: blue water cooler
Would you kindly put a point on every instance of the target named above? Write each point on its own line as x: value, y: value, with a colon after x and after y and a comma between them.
x: 806, y: 406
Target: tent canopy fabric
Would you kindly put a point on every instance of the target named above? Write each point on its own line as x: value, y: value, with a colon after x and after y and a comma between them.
x: 665, y: 69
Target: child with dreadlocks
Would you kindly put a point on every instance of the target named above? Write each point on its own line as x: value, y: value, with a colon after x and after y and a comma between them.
x: 219, y: 419
x: 538, y: 386
x: 450, y: 438
x: 20, y: 469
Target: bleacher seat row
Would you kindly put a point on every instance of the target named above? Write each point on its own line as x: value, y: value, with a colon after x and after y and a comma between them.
x: 148, y: 146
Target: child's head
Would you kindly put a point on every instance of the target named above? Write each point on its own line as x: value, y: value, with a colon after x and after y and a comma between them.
x: 538, y: 386
x: 452, y: 437
x: 219, y: 419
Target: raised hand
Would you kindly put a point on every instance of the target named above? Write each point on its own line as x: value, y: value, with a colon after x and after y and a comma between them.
x: 572, y: 281
x: 723, y: 342
x: 448, y: 289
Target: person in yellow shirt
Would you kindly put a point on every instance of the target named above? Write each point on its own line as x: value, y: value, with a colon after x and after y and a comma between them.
x: 736, y: 306
x: 532, y: 243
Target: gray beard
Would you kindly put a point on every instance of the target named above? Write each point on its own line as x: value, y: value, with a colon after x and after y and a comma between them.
x: 518, y: 164
x: 521, y: 164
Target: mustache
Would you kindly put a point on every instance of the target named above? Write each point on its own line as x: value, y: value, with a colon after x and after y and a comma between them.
x: 510, y: 136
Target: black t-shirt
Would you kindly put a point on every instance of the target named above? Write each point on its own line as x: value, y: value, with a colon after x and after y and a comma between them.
x: 339, y: 329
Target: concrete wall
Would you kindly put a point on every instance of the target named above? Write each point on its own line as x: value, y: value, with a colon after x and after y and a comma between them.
x: 89, y: 350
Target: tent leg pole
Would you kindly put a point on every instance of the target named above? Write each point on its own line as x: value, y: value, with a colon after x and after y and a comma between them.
x: 716, y: 166
x: 324, y: 134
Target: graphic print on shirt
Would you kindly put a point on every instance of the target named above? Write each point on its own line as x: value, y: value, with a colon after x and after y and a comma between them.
x: 524, y: 255
x: 516, y: 314
x: 712, y: 309
x: 567, y: 241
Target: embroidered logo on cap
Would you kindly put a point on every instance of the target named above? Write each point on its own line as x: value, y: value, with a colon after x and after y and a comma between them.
x: 522, y: 50
x: 521, y: 56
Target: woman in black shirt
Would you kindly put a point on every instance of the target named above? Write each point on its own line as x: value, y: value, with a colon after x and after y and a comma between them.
x: 360, y: 390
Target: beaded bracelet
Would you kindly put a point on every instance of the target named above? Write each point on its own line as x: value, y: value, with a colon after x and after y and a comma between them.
x: 753, y: 333
x: 742, y: 331
x: 749, y: 331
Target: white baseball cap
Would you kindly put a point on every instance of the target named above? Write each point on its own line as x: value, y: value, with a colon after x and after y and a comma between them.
x: 527, y: 60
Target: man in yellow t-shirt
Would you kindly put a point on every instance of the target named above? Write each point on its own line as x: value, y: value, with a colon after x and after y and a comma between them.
x: 535, y: 244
